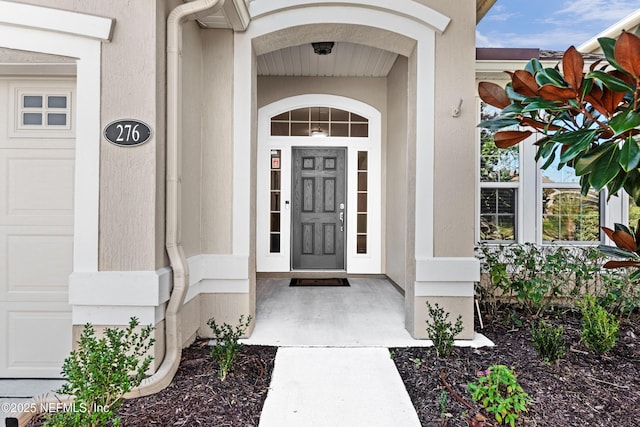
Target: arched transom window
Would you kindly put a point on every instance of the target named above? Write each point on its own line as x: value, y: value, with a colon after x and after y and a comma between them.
x: 319, y: 121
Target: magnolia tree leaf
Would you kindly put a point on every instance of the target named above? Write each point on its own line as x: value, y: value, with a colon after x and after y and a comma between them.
x: 615, y: 252
x: 625, y: 121
x: 605, y: 169
x: 493, y: 94
x: 544, y: 104
x: 550, y: 76
x: 498, y: 123
x: 632, y: 185
x: 524, y: 83
x: 587, y: 162
x: 627, y: 53
x: 534, y: 66
x: 508, y: 138
x: 610, y: 81
x: 629, y: 154
x: 608, y: 45
x: 618, y: 264
x: 554, y: 93
x: 577, y: 142
x: 624, y: 240
x: 572, y: 65
x: 616, y: 184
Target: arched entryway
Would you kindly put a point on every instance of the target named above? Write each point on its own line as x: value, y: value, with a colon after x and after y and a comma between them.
x: 405, y: 98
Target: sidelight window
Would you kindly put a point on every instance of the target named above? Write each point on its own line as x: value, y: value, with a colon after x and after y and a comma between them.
x: 363, y: 169
x: 275, y: 202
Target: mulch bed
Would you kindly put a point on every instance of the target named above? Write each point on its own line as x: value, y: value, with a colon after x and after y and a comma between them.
x: 197, y: 397
x: 582, y: 389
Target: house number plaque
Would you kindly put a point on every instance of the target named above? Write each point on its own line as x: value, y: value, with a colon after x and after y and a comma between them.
x: 127, y: 132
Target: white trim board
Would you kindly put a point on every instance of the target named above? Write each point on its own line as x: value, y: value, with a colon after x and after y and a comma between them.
x: 409, y: 9
x: 112, y: 297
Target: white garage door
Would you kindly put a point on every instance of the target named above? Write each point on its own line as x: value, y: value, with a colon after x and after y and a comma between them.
x: 36, y: 225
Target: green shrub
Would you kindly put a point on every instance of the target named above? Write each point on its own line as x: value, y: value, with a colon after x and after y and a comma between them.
x: 536, y: 277
x: 441, y: 331
x: 548, y: 341
x: 497, y: 389
x: 226, y: 348
x: 100, y: 372
x: 599, y: 328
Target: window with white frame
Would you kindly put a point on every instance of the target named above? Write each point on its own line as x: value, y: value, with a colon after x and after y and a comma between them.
x: 44, y: 110
x: 499, y: 186
x: 562, y: 213
x: 567, y: 215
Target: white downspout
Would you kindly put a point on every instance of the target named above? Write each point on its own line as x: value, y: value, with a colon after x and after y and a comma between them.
x: 173, y: 240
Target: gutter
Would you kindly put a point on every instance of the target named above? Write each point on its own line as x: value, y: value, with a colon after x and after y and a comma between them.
x: 173, y: 335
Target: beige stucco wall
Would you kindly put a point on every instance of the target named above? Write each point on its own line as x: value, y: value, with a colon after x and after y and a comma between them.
x: 217, y: 137
x: 371, y: 90
x: 207, y: 141
x: 132, y: 179
x: 455, y: 136
x: 396, y: 174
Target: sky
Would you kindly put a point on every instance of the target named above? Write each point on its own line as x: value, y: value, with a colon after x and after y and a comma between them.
x: 549, y: 24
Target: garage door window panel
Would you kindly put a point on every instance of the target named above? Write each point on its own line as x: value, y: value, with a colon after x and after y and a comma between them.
x: 43, y: 111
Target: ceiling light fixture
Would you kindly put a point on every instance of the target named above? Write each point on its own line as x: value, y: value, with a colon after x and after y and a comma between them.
x: 318, y: 132
x: 322, y: 48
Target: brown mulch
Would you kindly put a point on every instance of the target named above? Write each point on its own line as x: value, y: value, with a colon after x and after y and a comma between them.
x: 582, y: 389
x: 197, y: 397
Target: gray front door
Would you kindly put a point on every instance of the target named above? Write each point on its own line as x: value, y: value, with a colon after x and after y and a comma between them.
x: 318, y: 208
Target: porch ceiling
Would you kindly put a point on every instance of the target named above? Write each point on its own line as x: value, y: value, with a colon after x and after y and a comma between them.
x: 345, y: 60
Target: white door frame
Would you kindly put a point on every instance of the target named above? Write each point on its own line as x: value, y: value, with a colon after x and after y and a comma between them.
x: 369, y: 263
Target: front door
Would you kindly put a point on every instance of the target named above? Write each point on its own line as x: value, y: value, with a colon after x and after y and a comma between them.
x: 318, y: 208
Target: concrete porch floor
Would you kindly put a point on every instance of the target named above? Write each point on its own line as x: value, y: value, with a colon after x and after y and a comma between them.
x: 369, y: 313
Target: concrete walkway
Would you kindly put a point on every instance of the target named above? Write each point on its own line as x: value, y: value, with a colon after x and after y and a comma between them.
x: 333, y: 366
x: 332, y: 387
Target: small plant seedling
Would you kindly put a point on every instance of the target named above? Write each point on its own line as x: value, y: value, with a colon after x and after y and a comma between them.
x: 227, y: 347
x: 443, y: 406
x: 100, y: 372
x: 417, y: 362
x: 497, y: 389
x: 441, y: 331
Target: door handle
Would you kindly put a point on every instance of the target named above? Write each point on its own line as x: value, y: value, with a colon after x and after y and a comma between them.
x: 342, y: 221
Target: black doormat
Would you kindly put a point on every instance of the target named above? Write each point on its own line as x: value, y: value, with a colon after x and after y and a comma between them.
x: 319, y: 282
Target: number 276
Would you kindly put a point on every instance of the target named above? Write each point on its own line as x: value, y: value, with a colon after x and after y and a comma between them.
x: 128, y: 132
